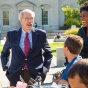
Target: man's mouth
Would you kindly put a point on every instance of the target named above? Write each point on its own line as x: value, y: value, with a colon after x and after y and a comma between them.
x: 29, y: 24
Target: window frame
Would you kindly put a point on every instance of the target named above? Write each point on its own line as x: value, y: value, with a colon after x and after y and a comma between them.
x: 8, y: 18
x: 46, y: 18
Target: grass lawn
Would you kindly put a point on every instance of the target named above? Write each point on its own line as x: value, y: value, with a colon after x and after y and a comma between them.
x: 1, y: 46
x: 52, y: 45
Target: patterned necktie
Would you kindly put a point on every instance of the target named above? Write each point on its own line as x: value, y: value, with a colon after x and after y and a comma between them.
x: 26, y: 48
x: 26, y: 44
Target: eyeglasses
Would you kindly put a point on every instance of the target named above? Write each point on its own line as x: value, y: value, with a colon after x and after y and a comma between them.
x: 28, y: 19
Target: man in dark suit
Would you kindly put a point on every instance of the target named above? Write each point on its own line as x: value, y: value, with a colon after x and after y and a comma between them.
x: 30, y: 52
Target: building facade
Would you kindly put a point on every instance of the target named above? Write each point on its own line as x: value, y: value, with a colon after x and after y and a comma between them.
x: 49, y: 15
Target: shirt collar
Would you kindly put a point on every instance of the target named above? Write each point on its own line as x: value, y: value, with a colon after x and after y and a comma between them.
x: 76, y: 58
x: 25, y: 32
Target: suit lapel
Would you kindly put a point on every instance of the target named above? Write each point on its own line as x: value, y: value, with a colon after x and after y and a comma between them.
x: 34, y: 39
x: 18, y: 36
x: 17, y: 40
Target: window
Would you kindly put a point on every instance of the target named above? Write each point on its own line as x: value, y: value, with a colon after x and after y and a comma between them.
x: 5, y: 17
x: 45, y: 18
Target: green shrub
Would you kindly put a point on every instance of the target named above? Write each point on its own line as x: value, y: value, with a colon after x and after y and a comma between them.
x: 72, y: 16
x: 72, y: 31
x: 1, y: 47
x: 81, y: 1
x: 74, y: 21
x: 64, y: 27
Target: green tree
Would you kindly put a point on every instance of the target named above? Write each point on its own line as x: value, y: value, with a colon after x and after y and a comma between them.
x: 81, y: 1
x: 72, y: 16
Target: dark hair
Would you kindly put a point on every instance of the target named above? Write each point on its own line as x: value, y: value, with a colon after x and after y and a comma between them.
x: 74, y: 44
x: 80, y: 68
x: 84, y: 7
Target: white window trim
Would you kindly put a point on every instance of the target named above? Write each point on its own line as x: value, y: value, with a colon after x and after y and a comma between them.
x: 48, y: 17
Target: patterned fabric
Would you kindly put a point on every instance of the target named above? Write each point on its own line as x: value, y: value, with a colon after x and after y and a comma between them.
x: 26, y: 48
x: 23, y: 34
x: 26, y: 44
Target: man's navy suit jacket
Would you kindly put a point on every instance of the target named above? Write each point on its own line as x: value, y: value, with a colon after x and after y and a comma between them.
x: 40, y: 53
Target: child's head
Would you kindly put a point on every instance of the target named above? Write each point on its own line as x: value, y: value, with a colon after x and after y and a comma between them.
x: 74, y: 44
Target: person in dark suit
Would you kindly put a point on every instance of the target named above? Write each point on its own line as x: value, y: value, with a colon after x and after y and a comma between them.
x: 83, y: 32
x: 30, y: 52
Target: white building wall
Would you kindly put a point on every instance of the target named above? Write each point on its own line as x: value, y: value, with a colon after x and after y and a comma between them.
x: 54, y: 15
x: 55, y: 19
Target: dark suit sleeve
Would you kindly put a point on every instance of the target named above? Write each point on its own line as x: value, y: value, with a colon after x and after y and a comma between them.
x: 5, y: 53
x: 47, y: 53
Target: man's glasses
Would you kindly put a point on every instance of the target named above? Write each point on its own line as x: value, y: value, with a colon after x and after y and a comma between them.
x: 27, y: 19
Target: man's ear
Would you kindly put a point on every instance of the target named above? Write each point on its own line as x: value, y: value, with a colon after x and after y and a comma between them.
x: 66, y: 48
x: 20, y: 20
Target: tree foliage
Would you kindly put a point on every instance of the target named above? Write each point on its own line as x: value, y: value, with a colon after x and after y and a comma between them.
x: 72, y: 16
x: 81, y: 1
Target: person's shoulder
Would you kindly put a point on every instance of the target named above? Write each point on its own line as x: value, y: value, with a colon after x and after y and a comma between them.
x: 81, y: 29
x: 13, y: 31
x: 39, y: 30
x: 78, y: 58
